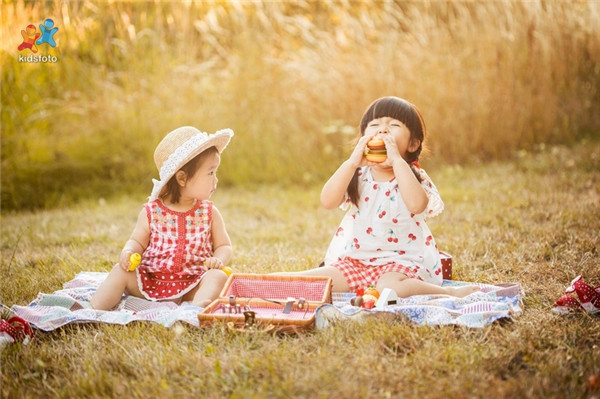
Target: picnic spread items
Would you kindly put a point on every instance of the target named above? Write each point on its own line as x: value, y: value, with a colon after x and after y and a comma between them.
x: 258, y: 301
x: 49, y: 311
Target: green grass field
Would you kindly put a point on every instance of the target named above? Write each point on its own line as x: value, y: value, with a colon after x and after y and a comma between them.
x: 533, y: 219
x: 292, y: 79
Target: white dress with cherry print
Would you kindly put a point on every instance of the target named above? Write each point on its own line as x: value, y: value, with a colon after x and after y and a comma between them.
x: 381, y: 230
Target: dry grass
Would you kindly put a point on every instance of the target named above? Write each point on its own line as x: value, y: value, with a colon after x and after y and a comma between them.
x: 533, y: 219
x: 291, y: 78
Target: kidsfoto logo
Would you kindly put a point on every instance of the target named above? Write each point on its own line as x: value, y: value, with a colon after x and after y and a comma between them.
x: 32, y: 39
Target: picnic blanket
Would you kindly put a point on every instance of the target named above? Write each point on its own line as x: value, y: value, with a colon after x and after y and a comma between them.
x: 71, y: 305
x: 478, y: 309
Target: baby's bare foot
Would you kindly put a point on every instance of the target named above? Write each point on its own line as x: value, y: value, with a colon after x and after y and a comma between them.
x: 202, y: 303
x: 464, y: 290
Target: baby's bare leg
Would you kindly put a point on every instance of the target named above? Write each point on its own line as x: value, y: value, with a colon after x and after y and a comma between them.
x: 405, y: 286
x: 209, y: 288
x: 109, y: 293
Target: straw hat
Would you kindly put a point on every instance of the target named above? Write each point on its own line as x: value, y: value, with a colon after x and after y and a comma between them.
x: 179, y: 147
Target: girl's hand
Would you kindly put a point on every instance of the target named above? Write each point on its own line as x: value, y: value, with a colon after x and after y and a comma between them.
x: 213, y: 263
x: 357, y: 158
x: 392, y: 152
x: 392, y: 148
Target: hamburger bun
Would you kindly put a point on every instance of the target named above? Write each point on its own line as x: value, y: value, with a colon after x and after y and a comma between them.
x: 376, y: 151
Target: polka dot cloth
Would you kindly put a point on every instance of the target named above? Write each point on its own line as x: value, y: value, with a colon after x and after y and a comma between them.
x: 180, y: 242
x: 17, y: 328
x: 588, y: 296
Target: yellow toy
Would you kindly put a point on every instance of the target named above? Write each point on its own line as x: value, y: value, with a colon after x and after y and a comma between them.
x: 228, y: 270
x: 134, y: 261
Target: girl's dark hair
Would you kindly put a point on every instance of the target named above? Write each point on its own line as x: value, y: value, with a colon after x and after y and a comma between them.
x: 405, y: 112
x: 171, y: 190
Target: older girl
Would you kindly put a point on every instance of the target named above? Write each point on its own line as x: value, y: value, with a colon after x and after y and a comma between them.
x: 383, y: 239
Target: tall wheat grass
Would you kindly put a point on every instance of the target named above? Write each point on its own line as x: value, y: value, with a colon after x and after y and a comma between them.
x: 292, y: 80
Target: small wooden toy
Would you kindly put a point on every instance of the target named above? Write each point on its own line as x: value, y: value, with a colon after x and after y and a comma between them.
x: 357, y: 301
x: 371, y: 290
x: 368, y: 297
x: 370, y: 304
x: 365, y: 298
x: 387, y: 297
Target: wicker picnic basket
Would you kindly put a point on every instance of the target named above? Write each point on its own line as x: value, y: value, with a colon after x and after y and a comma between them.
x: 254, y: 302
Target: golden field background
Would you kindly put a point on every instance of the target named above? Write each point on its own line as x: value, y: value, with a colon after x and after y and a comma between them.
x: 291, y: 78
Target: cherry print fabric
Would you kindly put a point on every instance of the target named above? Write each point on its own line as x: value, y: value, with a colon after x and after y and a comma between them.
x: 381, y: 231
x: 180, y: 242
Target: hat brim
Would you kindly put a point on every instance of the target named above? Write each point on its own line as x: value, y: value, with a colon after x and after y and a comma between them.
x: 185, y: 153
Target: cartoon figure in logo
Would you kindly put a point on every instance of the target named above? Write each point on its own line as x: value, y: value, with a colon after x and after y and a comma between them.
x: 30, y: 35
x: 47, y: 33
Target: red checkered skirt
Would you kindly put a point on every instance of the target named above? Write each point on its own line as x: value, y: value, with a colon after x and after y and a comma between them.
x: 360, y: 275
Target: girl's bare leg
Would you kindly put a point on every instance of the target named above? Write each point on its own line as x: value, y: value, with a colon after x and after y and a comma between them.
x: 339, y: 281
x: 109, y: 293
x: 405, y: 286
x: 209, y: 288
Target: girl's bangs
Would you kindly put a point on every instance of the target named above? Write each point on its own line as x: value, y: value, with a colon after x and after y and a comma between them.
x: 391, y: 107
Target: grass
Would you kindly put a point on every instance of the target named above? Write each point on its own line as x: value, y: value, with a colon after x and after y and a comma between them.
x: 533, y: 219
x: 290, y: 78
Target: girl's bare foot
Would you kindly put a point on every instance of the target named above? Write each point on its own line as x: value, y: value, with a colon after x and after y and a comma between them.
x: 463, y: 291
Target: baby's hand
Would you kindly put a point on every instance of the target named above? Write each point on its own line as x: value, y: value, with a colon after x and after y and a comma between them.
x: 124, y: 259
x: 213, y: 263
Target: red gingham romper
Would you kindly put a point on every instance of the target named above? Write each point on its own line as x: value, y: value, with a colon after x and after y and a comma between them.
x: 180, y: 242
